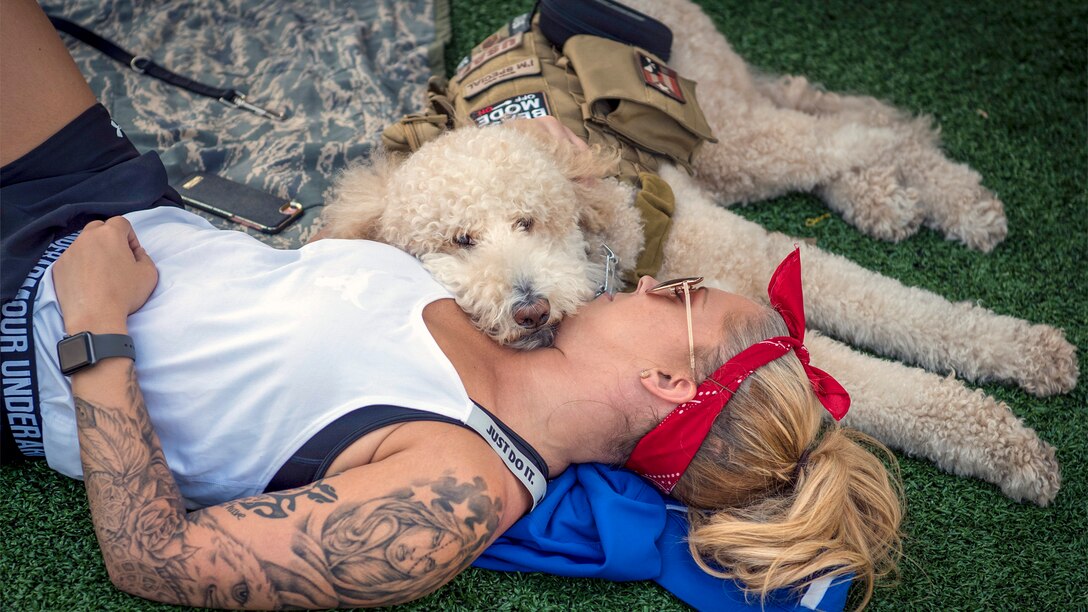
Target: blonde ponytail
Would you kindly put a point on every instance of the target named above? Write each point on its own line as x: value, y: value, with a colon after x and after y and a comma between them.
x: 778, y: 498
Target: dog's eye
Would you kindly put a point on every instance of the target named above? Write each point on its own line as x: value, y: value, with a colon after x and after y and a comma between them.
x: 464, y: 241
x: 524, y: 224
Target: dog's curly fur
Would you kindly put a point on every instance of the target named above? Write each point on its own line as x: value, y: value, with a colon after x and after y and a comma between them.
x: 495, y: 241
x: 501, y: 218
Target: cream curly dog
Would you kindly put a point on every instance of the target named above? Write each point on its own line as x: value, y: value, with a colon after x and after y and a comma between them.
x: 512, y: 223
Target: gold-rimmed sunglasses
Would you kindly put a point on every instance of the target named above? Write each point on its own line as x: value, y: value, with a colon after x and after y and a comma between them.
x: 683, y: 286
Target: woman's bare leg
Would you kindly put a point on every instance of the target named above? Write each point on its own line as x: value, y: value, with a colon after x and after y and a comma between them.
x: 41, y: 89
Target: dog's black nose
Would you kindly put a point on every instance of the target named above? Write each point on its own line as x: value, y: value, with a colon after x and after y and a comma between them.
x: 534, y: 315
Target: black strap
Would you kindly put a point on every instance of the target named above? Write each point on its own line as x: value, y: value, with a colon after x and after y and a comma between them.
x: 113, y: 345
x: 144, y: 65
x: 312, y: 460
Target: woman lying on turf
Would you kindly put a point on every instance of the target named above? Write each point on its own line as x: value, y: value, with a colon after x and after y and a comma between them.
x: 292, y: 431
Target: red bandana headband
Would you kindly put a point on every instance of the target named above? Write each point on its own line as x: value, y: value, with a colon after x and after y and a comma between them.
x: 663, y: 454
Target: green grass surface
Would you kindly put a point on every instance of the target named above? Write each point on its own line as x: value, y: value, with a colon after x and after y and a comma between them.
x: 1007, y: 82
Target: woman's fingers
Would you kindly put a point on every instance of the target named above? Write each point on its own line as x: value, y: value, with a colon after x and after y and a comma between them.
x: 555, y: 130
x: 104, y: 276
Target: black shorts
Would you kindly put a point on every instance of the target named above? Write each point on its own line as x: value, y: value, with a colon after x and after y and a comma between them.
x: 88, y: 170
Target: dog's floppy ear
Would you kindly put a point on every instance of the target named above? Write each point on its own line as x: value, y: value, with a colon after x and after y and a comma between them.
x: 599, y: 200
x: 358, y: 198
x: 604, y: 204
x: 606, y: 215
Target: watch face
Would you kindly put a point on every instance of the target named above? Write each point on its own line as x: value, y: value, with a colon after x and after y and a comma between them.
x: 74, y: 352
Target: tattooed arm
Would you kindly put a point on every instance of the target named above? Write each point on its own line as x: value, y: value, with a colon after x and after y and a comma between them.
x: 383, y: 533
x: 338, y: 542
x: 341, y: 541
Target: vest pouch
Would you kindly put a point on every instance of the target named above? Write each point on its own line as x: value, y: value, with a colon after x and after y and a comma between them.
x: 561, y: 19
x: 415, y: 130
x: 634, y: 94
x: 656, y: 205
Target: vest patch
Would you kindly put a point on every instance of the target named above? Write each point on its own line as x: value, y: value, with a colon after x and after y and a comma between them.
x: 660, y: 77
x: 523, y: 106
x: 517, y: 25
x: 525, y: 67
x: 491, y: 51
x: 520, y: 24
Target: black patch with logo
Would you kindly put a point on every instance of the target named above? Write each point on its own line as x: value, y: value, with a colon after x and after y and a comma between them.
x: 521, y: 106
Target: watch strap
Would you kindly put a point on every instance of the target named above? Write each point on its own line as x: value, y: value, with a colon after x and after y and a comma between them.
x: 112, y: 345
x: 97, y: 348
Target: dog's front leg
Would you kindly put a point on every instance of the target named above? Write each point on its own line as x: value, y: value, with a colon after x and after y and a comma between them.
x: 962, y: 430
x: 864, y: 308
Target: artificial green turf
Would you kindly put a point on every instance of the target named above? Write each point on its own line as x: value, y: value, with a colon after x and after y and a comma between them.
x: 1007, y: 82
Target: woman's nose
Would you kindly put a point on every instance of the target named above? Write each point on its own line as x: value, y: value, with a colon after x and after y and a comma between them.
x: 644, y: 283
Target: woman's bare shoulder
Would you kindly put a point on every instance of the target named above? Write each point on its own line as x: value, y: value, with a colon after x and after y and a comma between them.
x: 427, y: 449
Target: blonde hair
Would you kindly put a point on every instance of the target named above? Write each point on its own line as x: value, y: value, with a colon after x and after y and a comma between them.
x: 764, y: 516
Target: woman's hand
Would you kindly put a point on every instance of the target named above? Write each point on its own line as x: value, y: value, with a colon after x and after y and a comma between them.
x: 553, y: 129
x: 103, y: 277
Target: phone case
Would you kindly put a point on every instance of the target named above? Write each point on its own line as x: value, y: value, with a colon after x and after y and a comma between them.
x: 239, y: 203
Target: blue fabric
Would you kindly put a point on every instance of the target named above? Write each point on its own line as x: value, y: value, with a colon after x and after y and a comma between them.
x: 602, y: 522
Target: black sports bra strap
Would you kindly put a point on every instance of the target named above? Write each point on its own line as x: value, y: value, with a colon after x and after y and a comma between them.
x: 312, y: 460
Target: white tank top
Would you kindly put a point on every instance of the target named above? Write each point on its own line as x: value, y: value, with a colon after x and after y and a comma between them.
x: 287, y: 340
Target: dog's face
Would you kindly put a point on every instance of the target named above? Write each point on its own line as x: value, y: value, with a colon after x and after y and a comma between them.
x: 494, y: 215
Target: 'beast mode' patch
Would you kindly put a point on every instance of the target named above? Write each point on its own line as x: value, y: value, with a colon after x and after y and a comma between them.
x: 523, y: 106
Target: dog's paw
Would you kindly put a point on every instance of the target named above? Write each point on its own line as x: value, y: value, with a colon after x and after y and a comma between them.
x: 1033, y: 473
x: 874, y: 201
x: 979, y: 223
x: 1050, y: 362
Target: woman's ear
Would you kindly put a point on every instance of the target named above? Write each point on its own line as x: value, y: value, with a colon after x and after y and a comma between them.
x: 673, y: 388
x: 358, y: 199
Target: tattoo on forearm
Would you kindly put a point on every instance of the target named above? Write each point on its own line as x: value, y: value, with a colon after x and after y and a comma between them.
x: 389, y: 549
x: 278, y: 505
x: 134, y: 500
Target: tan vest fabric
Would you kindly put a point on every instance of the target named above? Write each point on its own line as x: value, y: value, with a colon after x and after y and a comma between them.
x: 606, y: 92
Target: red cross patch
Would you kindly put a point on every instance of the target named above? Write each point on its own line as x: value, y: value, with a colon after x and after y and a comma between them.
x: 660, y: 77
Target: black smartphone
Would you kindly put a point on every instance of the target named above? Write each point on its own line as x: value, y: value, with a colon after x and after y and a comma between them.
x: 239, y: 203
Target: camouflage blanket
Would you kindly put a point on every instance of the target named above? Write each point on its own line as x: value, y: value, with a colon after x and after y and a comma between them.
x: 343, y: 69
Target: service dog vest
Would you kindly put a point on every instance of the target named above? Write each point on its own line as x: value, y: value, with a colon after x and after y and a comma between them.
x: 607, y: 92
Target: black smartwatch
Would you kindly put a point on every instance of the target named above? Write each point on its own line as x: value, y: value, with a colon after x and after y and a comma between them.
x: 85, y: 349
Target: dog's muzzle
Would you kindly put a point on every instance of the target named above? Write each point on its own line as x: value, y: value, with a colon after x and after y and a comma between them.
x: 543, y: 337
x: 533, y: 314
